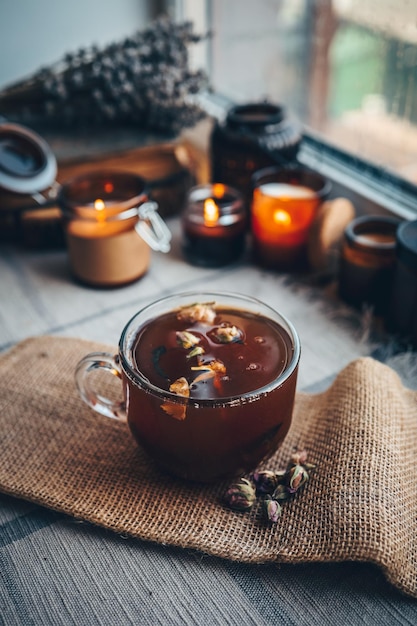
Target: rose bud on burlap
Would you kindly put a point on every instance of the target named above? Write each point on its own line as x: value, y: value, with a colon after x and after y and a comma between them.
x: 297, y: 477
x: 272, y: 509
x: 241, y: 496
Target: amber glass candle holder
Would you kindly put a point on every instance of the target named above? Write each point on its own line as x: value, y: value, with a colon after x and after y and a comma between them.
x: 284, y: 204
x: 214, y: 225
x: 367, y: 262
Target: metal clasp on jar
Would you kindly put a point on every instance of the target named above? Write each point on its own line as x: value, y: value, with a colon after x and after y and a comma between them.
x: 152, y: 228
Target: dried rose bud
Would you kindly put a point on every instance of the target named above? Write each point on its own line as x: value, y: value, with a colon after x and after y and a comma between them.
x: 299, y: 457
x: 265, y: 481
x: 186, y: 339
x: 180, y: 387
x: 227, y: 334
x: 209, y: 370
x: 297, y: 476
x: 272, y: 509
x: 217, y: 366
x: 174, y: 409
x: 177, y: 411
x: 281, y: 493
x: 197, y: 351
x: 199, y: 312
x: 281, y: 476
x: 241, y: 496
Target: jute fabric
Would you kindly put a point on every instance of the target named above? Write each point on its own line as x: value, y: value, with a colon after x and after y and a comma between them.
x: 360, y: 504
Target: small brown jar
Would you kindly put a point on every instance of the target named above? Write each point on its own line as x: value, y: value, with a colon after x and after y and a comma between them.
x: 403, y: 304
x: 367, y: 262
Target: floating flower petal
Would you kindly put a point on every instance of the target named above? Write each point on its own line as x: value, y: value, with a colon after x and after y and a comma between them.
x: 181, y: 388
x: 209, y: 370
x: 197, y: 351
x: 187, y: 340
x: 199, y: 312
x: 227, y: 334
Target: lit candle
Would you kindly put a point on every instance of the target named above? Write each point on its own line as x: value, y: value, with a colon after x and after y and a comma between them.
x: 95, y: 220
x: 214, y: 225
x: 284, y: 204
x: 102, y: 214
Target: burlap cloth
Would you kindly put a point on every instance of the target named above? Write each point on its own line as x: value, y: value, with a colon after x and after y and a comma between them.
x: 360, y: 504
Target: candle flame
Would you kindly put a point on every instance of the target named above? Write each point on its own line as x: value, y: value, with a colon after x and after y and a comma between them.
x: 211, y: 212
x: 219, y: 190
x: 282, y: 217
x: 99, y: 207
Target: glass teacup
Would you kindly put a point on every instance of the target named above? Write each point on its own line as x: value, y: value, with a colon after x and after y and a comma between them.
x: 208, y: 379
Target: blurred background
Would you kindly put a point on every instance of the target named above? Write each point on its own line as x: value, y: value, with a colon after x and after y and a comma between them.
x: 346, y: 68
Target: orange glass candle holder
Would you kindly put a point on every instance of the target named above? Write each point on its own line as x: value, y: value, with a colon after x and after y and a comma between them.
x: 284, y: 204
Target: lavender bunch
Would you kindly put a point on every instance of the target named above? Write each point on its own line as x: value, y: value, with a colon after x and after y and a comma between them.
x: 144, y: 79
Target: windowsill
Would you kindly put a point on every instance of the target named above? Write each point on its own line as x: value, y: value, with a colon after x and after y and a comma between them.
x: 370, y: 188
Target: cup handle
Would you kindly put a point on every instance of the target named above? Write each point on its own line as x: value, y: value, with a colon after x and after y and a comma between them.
x: 99, y: 403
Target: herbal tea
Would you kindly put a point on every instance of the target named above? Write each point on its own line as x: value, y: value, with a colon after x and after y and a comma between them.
x: 221, y: 353
x: 208, y: 354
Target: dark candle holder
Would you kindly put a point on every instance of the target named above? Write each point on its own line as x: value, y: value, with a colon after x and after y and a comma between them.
x: 214, y: 225
x: 402, y: 318
x: 367, y: 262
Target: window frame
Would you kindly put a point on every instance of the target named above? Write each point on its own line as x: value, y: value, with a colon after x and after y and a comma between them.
x: 371, y: 188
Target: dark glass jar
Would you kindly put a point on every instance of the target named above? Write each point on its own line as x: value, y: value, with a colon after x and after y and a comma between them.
x: 367, y: 262
x: 214, y: 234
x: 253, y: 136
x: 403, y: 304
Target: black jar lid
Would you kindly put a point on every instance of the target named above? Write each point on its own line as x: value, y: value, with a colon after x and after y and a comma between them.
x: 262, y: 125
x: 255, y: 115
x: 27, y: 164
x: 407, y: 244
